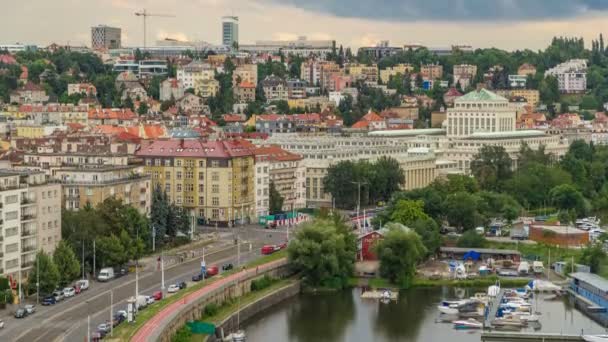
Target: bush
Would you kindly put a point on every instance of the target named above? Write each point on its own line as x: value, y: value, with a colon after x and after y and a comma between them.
x: 211, y: 310
x: 262, y: 283
x: 471, y: 239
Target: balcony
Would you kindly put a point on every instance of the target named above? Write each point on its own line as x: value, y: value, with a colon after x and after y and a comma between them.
x: 1, y: 255
x: 28, y: 217
x: 27, y: 201
x: 1, y: 221
x: 27, y: 264
x: 28, y: 232
x: 26, y: 249
x: 1, y: 238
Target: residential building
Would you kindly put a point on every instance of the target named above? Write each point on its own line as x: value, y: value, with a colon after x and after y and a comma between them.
x: 191, y: 103
x: 14, y: 48
x: 438, y: 118
x: 327, y: 71
x: 310, y: 72
x: 86, y: 89
x: 171, y: 88
x: 287, y: 173
x: 526, y: 70
x: 189, y: 75
x: 206, y: 88
x: 339, y: 82
x: 403, y: 69
x: 571, y: 76
x: 152, y: 67
x: 275, y: 89
x: 92, y: 185
x: 532, y: 96
x: 30, y: 220
x: 245, y: 73
x: 244, y: 92
x: 29, y: 93
x: 273, y: 123
x: 262, y: 186
x: 33, y: 131
x: 450, y: 96
x: 431, y: 71
x: 105, y: 37
x: 363, y: 72
x: 464, y: 75
x: 296, y: 89
x: 213, y: 180
x: 480, y: 111
x: 370, y: 121
x: 112, y: 116
x: 230, y: 31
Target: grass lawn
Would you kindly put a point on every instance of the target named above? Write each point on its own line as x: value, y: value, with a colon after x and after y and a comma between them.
x: 125, y: 331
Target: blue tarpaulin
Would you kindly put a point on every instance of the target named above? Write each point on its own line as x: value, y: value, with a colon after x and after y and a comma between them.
x: 471, y: 255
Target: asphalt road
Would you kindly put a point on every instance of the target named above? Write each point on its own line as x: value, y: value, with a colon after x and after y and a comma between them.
x: 67, y: 320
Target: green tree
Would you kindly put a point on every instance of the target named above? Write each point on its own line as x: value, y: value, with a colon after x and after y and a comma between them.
x: 49, y: 274
x: 461, y: 210
x: 387, y: 177
x: 407, y: 212
x: 159, y: 211
x: 143, y: 108
x: 275, y: 200
x: 567, y: 197
x: 429, y: 232
x: 399, y: 252
x: 592, y: 256
x: 324, y: 252
x: 471, y: 239
x: 110, y: 251
x: 491, y: 166
x: 66, y: 262
x: 549, y: 90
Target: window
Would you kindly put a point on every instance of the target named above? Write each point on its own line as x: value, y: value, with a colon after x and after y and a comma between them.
x: 190, y: 187
x: 215, y: 163
x: 215, y: 188
x: 189, y: 200
x: 178, y: 163
x: 11, y: 199
x: 201, y: 200
x: 167, y: 187
x: 178, y: 187
x: 215, y: 214
x: 178, y: 175
x: 189, y: 175
x: 89, y: 192
x: 201, y: 188
x: 178, y: 200
x: 167, y: 162
x: 201, y: 176
x: 167, y: 174
x: 156, y: 162
x: 11, y: 215
x: 201, y: 163
x: 215, y: 176
x: 215, y: 201
x: 11, y: 231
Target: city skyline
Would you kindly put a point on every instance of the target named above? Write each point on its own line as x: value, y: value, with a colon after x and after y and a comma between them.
x: 469, y: 22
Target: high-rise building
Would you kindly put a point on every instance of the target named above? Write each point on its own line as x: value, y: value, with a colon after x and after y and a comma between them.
x: 30, y: 219
x: 230, y: 30
x: 105, y: 37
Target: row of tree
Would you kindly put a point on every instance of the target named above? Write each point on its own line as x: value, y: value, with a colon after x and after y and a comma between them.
x: 169, y: 221
x: 348, y: 180
x: 54, y: 271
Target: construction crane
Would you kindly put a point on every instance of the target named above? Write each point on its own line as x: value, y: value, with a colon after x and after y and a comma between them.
x: 145, y: 15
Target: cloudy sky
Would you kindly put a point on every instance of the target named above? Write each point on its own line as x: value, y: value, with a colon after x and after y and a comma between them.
x: 507, y: 24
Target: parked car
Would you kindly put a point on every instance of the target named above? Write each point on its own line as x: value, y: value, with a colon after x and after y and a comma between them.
x: 182, y: 285
x: 150, y: 300
x: 30, y: 309
x: 117, y: 320
x: 197, y: 277
x: 83, y: 283
x: 77, y: 289
x: 141, y: 302
x: 173, y: 288
x: 122, y: 313
x: 1, y: 324
x: 69, y: 292
x: 211, y: 271
x: 267, y: 249
x: 227, y: 267
x: 507, y: 273
x: 271, y: 225
x: 104, y: 328
x: 158, y: 295
x: 58, y: 294
x: 120, y: 271
x: 20, y: 313
x: 49, y: 300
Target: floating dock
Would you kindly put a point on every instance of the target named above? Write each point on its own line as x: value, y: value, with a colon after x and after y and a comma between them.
x: 531, y: 337
x: 375, y: 294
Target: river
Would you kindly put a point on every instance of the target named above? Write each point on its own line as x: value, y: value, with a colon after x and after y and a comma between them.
x: 344, y: 316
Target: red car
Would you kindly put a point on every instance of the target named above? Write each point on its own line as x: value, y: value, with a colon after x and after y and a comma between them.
x: 158, y: 295
x: 268, y: 249
x: 211, y: 271
x: 77, y: 289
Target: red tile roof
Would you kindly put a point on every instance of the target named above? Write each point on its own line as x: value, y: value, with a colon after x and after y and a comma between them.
x: 453, y: 92
x: 7, y: 59
x: 197, y: 148
x: 371, y: 116
x: 127, y: 137
x: 233, y: 118
x: 246, y: 84
x: 361, y: 124
x: 275, y: 153
x: 112, y: 113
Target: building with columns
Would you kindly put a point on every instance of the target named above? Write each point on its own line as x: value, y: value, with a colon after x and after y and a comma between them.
x: 480, y: 111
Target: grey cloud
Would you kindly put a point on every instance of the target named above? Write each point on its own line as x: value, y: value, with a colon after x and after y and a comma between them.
x: 457, y: 10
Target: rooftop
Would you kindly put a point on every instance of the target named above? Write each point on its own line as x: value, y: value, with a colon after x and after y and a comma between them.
x: 197, y: 148
x: 481, y: 95
x: 507, y: 135
x: 591, y: 279
x: 569, y: 230
x: 407, y: 132
x: 479, y: 250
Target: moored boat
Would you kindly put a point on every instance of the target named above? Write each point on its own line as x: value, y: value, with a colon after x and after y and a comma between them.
x: 468, y: 324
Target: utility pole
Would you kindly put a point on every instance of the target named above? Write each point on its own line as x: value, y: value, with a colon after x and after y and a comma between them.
x: 88, y: 323
x: 359, y: 183
x: 111, y: 312
x: 153, y: 238
x: 37, y: 280
x: 162, y: 272
x: 94, y: 268
x: 83, y: 260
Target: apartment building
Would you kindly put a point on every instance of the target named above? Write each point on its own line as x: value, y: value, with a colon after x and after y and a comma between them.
x: 189, y: 75
x: 245, y: 73
x: 244, y: 92
x: 532, y: 96
x: 431, y: 71
x: 213, y: 180
x: 262, y: 186
x: 94, y: 184
x: 287, y: 172
x: 571, y: 76
x: 403, y: 69
x: 464, y: 74
x: 367, y: 73
x: 30, y: 220
x: 275, y: 89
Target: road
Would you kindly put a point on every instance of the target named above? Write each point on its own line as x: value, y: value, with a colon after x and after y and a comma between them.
x: 67, y: 320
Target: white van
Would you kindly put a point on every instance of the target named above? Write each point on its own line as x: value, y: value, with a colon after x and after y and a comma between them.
x: 523, y: 268
x: 83, y: 283
x: 106, y: 274
x: 538, y: 267
x: 141, y: 302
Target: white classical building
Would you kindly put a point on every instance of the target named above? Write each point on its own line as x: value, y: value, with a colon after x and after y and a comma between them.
x: 571, y: 76
x: 480, y: 111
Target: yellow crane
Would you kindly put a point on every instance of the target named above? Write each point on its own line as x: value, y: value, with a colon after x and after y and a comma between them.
x: 145, y: 14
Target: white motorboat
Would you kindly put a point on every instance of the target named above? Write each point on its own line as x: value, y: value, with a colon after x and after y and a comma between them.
x: 468, y: 324
x: 239, y: 336
x: 595, y: 338
x: 494, y: 290
x: 447, y: 310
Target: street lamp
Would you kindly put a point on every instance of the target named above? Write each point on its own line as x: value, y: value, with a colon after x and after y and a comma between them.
x: 359, y: 183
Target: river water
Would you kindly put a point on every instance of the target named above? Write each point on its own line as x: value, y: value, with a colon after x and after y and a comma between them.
x: 344, y: 316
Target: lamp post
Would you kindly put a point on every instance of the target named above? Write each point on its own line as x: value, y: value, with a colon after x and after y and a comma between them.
x: 359, y: 183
